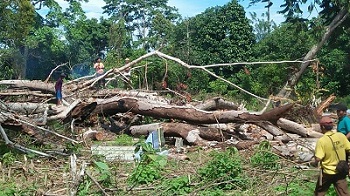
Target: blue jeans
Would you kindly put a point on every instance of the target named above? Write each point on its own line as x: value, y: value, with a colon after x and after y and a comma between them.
x: 59, y: 95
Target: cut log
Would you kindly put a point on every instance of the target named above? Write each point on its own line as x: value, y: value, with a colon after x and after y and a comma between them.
x: 27, y: 108
x: 31, y: 84
x: 277, y: 133
x: 293, y: 127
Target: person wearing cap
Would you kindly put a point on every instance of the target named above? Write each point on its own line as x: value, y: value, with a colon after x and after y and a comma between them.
x: 326, y: 155
x: 58, y: 89
x: 343, y: 125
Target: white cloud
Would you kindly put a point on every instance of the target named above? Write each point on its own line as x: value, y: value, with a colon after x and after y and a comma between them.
x: 93, y: 8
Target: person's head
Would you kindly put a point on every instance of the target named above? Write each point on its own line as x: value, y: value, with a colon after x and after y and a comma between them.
x: 127, y: 60
x: 341, y: 109
x: 98, y: 59
x: 63, y: 75
x: 326, y: 124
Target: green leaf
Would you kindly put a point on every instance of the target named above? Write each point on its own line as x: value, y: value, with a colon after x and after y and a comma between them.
x: 101, y: 165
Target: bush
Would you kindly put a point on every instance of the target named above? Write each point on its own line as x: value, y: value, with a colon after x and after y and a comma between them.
x: 264, y: 158
x: 177, y: 186
x: 150, y: 166
x: 224, y: 167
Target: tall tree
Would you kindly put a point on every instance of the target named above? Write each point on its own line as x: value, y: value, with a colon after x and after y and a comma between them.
x: 17, y: 18
x: 219, y: 35
x: 139, y: 16
x: 334, y: 13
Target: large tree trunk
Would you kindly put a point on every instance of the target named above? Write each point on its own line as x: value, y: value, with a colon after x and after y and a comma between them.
x: 191, y: 115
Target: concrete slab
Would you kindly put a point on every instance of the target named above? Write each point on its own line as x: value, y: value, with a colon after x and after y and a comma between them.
x: 112, y: 153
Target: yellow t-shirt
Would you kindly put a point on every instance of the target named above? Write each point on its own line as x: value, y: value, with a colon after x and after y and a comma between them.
x: 325, y: 151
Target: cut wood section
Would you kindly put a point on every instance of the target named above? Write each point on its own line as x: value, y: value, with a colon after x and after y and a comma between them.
x: 324, y: 104
x: 292, y: 127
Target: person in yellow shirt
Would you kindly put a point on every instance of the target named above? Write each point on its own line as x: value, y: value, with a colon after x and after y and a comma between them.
x: 328, y: 157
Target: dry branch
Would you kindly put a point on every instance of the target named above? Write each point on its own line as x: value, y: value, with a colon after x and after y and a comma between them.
x: 19, y: 147
x: 48, y: 77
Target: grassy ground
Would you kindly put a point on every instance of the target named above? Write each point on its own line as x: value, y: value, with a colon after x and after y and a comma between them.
x: 209, y: 171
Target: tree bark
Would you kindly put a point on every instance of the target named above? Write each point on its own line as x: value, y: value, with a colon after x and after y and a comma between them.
x: 187, y: 114
x: 217, y: 104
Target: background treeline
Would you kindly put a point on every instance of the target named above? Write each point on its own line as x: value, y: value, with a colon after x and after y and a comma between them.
x: 36, y: 36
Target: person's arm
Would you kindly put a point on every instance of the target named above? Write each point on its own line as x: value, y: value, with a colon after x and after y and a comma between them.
x: 315, y: 162
x: 348, y: 135
x: 347, y: 127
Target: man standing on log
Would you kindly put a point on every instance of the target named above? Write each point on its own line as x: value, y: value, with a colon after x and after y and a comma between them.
x: 328, y: 157
x: 99, y: 68
x: 343, y: 125
x: 58, y: 89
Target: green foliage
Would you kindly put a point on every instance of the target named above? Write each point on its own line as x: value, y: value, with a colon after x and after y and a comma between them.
x: 297, y: 188
x: 105, y: 176
x: 17, y: 19
x: 84, y: 188
x: 150, y: 165
x: 145, y: 173
x: 10, y: 188
x: 288, y: 42
x: 212, y: 192
x: 224, y: 167
x: 47, y: 50
x: 261, y: 26
x: 176, y: 186
x: 218, y: 86
x: 124, y: 140
x: 335, y: 71
x: 73, y: 148
x: 8, y: 158
x: 218, y: 35
x: 264, y: 157
x: 141, y: 18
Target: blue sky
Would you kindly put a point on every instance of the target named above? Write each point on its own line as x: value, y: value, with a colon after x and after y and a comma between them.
x: 189, y: 8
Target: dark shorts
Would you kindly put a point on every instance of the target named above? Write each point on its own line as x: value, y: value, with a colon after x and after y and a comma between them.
x: 339, y: 182
x: 58, y: 94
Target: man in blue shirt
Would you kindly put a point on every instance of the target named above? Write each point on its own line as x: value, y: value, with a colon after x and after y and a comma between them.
x: 343, y: 125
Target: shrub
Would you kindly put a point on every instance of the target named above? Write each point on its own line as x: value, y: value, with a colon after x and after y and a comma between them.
x: 177, y: 186
x: 264, y: 158
x: 224, y: 168
x: 150, y: 166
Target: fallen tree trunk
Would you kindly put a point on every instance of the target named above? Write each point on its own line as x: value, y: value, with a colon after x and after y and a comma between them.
x: 27, y: 108
x: 292, y: 127
x: 187, y: 114
x: 193, y: 134
x: 31, y: 84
